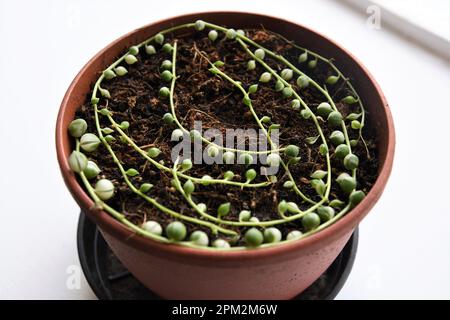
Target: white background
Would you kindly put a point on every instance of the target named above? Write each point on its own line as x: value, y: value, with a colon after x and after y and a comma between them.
x: 404, y: 249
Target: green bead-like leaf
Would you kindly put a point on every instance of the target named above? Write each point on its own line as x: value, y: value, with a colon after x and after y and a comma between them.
x: 244, y: 215
x: 104, y: 189
x: 312, y: 140
x: 323, y: 149
x: 246, y: 159
x: 176, y: 231
x: 109, y: 74
x: 124, y: 125
x: 130, y: 59
x: 324, y: 109
x: 188, y: 187
x: 303, y: 57
x: 306, y: 114
x: 254, y: 237
x: 132, y: 172
x: 168, y: 118
x: 341, y: 151
x: 223, y: 209
x: 212, y: 151
x: 107, y: 130
x: 199, y: 25
x: 250, y: 175
x: 353, y: 116
x: 351, y: 161
x: 319, y: 186
x: 282, y: 207
x: 199, y: 238
x: 287, y: 74
x: 206, y: 180
x: 265, y: 77
x: 166, y: 75
x: 120, y: 71
x: 212, y: 35
x: 294, y: 234
x: 247, y: 101
x: 95, y: 101
x: 349, y: 100
x: 318, y: 174
x: 134, y: 50
x: 221, y: 244
x: 105, y: 93
x: 219, y: 64
x: 153, y: 152
x: 109, y: 138
x: 259, y: 53
x: 195, y: 135
x: 159, y: 38
x: 325, y: 213
x: 104, y: 112
x: 337, y: 204
x: 335, y: 118
x: 332, y: 80
x: 265, y: 119
x: 145, y: 187
x: 356, y: 196
x: 231, y: 34
x: 186, y: 164
x: 167, y: 48
x: 287, y: 92
x: 337, y: 138
x: 177, y: 134
x: 152, y: 227
x: 311, y: 221
x: 251, y: 65
x: 228, y: 157
x: 164, y: 92
x: 295, y: 104
x: 253, y: 88
x: 288, y: 184
x: 355, y: 124
x: 89, y: 142
x: 166, y: 65
x: 292, y: 207
x: 312, y: 64
x: 229, y: 175
x: 303, y: 81
x: 77, y: 128
x: 150, y: 50
x: 346, y: 182
x: 77, y: 161
x: 291, y: 151
x: 279, y: 86
x: 92, y: 170
x: 272, y: 235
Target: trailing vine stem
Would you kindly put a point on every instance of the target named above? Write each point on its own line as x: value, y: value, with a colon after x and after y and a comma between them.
x: 142, y: 195
x: 319, y: 129
x: 346, y: 80
x: 257, y: 119
x: 99, y: 195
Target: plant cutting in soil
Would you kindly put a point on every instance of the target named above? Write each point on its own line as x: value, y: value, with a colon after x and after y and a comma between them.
x: 149, y: 100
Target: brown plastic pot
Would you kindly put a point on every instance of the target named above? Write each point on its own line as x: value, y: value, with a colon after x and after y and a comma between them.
x: 278, y: 272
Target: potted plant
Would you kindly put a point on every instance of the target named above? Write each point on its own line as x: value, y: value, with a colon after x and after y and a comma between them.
x: 237, y: 223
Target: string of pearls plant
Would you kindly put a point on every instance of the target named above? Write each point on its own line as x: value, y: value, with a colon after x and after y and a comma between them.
x: 288, y: 83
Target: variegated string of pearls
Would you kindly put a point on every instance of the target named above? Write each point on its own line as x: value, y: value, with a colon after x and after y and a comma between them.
x: 258, y: 233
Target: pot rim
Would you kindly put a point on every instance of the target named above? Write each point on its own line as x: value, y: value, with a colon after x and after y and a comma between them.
x: 118, y: 230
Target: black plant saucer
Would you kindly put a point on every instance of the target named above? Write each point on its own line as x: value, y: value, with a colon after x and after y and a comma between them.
x: 110, y: 280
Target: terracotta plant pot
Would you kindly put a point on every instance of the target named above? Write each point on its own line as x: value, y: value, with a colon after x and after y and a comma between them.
x: 278, y: 272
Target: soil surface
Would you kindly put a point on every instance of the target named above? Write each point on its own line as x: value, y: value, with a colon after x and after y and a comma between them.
x: 202, y: 96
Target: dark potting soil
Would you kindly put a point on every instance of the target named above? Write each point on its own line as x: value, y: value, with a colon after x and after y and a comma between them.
x: 202, y: 96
